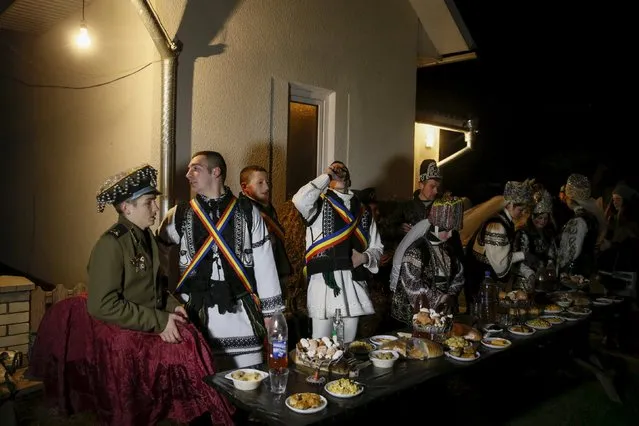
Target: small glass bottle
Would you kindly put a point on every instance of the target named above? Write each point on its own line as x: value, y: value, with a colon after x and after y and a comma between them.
x: 338, y: 328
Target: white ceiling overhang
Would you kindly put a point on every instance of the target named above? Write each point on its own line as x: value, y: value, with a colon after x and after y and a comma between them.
x: 443, y: 36
x: 36, y: 16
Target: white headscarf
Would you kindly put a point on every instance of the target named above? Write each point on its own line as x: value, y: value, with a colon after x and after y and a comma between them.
x: 416, y: 232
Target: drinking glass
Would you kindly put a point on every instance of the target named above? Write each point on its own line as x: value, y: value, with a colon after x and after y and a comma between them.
x: 279, y: 379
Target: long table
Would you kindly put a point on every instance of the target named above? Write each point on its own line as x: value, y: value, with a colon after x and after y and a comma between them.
x: 384, y: 383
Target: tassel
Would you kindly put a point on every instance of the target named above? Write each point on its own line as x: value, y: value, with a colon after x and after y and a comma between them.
x: 256, y: 317
x: 329, y: 280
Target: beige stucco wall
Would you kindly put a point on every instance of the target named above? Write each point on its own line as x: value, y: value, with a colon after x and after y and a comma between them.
x: 234, y: 71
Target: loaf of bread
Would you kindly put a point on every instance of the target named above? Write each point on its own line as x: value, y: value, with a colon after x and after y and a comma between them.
x: 466, y: 331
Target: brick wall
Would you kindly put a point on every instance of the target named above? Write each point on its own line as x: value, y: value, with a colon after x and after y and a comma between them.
x: 15, y: 297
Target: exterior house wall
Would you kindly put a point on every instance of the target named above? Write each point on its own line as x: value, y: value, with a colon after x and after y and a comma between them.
x: 233, y: 80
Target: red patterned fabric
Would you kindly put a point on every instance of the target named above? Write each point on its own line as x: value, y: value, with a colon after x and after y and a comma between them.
x: 125, y: 377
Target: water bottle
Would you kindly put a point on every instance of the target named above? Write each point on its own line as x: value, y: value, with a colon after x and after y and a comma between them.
x: 278, y: 341
x: 489, y: 297
x: 338, y: 328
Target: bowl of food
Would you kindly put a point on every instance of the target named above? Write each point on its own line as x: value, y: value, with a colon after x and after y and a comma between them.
x: 246, y: 379
x: 383, y: 358
x: 360, y: 348
x: 564, y: 303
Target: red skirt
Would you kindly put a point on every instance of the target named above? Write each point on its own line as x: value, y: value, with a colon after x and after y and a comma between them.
x: 126, y: 377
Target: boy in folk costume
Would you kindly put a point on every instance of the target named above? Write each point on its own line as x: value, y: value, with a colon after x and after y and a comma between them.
x: 581, y: 234
x: 411, y: 212
x: 537, y: 237
x: 491, y: 249
x: 342, y: 247
x: 228, y: 274
x: 254, y: 183
x: 431, y: 263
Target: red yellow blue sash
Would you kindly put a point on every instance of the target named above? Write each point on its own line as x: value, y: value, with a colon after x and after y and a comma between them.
x: 328, y: 241
x: 215, y: 237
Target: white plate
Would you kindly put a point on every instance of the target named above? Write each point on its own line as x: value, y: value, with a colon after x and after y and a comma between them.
x: 486, y: 330
x: 547, y: 318
x: 518, y: 333
x: 310, y: 410
x: 536, y: 327
x: 568, y: 317
x: 377, y: 340
x: 339, y: 395
x: 487, y: 341
x: 457, y: 358
x: 602, y: 301
x: 547, y: 312
x: 572, y: 311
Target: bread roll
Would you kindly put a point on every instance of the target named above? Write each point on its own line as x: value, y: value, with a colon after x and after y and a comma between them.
x: 466, y: 331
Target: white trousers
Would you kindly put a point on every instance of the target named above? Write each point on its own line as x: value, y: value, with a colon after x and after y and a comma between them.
x: 324, y: 327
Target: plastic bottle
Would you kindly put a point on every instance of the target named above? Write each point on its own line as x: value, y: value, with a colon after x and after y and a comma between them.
x: 489, y: 300
x: 338, y: 328
x: 278, y: 341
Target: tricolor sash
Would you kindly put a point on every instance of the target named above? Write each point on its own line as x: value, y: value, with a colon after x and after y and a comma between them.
x: 216, y: 238
x: 353, y: 225
x: 272, y: 226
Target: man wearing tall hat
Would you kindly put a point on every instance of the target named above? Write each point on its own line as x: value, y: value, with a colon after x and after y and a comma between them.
x: 124, y: 288
x: 491, y: 248
x: 430, y: 185
x: 431, y: 273
x: 228, y: 276
x: 104, y: 346
x: 342, y: 248
x: 583, y: 231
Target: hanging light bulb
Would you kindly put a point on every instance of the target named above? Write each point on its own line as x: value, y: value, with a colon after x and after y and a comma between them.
x: 83, y: 40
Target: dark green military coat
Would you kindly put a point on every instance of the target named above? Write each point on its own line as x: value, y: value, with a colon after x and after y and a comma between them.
x: 124, y: 288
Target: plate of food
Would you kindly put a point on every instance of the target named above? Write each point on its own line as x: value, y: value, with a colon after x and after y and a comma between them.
x: 602, y: 301
x: 539, y: 324
x: 521, y: 330
x: 570, y: 317
x: 306, y: 402
x: 553, y: 319
x: 579, y: 310
x: 552, y: 309
x: 344, y: 388
x: 492, y: 328
x: 462, y: 355
x: 496, y: 342
x: 381, y: 339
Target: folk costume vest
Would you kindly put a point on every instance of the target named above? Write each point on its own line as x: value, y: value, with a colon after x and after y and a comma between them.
x: 229, y: 216
x: 343, y: 230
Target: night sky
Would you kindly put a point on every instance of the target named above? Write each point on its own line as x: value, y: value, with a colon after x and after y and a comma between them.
x: 540, y: 93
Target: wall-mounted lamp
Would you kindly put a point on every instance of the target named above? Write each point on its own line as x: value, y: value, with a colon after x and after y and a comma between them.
x: 431, y: 135
x: 83, y: 40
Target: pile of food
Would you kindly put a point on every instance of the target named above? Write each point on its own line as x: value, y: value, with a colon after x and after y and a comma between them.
x: 305, y: 401
x: 430, y: 318
x: 460, y: 347
x: 344, y: 387
x: 415, y: 348
x: 246, y: 376
x: 324, y: 349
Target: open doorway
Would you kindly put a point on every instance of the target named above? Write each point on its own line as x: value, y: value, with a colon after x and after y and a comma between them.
x: 311, y: 134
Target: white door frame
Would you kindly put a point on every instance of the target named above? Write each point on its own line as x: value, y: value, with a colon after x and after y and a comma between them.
x: 325, y: 100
